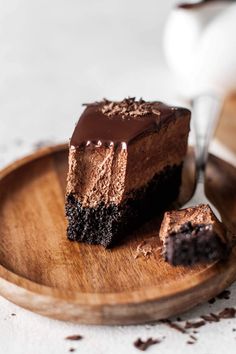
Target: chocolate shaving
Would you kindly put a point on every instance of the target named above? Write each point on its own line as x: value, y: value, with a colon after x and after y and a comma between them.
x: 228, y: 312
x: 72, y: 350
x: 174, y: 325
x: 74, y: 337
x: 224, y: 295
x: 143, y: 345
x: 194, y: 324
x: 190, y: 342
x: 193, y: 337
x: 210, y: 318
x: 211, y: 301
x: 129, y: 108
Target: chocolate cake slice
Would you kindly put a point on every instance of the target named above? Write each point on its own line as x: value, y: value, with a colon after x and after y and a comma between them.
x: 125, y: 163
x: 193, y: 235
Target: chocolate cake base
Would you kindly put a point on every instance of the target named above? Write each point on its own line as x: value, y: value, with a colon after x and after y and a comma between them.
x: 194, y: 244
x: 106, y: 224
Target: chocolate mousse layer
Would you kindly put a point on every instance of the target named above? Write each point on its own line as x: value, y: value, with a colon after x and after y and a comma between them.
x: 125, y: 163
x: 193, y: 235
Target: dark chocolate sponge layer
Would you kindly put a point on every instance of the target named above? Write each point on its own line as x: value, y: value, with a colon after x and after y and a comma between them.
x: 194, y: 244
x: 105, y: 224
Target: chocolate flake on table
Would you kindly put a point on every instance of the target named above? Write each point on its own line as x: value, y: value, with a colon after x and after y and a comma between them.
x: 224, y: 295
x: 193, y: 337
x: 143, y: 345
x: 72, y: 350
x: 194, y: 324
x: 129, y: 107
x: 174, y: 326
x: 74, y: 337
x: 212, y: 300
x: 228, y: 312
x: 210, y: 318
x: 190, y: 342
x: 13, y: 314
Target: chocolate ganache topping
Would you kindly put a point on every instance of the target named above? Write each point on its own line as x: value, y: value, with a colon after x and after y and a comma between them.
x: 114, y: 122
x: 191, y: 5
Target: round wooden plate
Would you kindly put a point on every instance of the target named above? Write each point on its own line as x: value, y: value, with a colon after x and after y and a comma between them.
x: 42, y: 271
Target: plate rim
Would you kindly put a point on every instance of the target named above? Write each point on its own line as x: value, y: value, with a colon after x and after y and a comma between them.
x: 216, y: 272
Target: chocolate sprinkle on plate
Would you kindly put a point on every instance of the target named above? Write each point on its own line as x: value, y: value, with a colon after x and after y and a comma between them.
x: 143, y: 345
x: 74, y: 337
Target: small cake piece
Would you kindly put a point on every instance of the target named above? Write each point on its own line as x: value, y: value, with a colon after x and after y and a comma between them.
x: 193, y: 235
x: 125, y: 163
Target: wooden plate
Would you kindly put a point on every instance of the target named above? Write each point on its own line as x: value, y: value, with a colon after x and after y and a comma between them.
x: 42, y: 271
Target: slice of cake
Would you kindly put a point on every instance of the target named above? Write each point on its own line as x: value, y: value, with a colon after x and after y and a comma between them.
x: 125, y: 163
x: 193, y: 235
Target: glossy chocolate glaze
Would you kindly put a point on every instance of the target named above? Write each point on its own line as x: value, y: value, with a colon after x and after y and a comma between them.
x: 199, y: 3
x: 97, y: 127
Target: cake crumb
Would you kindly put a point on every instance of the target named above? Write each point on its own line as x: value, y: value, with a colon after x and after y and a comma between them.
x: 143, y: 249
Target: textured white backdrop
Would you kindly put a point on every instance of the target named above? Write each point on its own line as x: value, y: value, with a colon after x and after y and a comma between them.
x: 55, y: 55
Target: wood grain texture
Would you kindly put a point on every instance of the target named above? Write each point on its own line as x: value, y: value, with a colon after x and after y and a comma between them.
x: 226, y: 130
x: 44, y: 272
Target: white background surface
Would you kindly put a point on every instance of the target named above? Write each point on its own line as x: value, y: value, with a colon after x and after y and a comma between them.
x: 55, y: 55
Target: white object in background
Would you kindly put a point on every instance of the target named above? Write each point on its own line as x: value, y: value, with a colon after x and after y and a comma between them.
x: 200, y: 47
